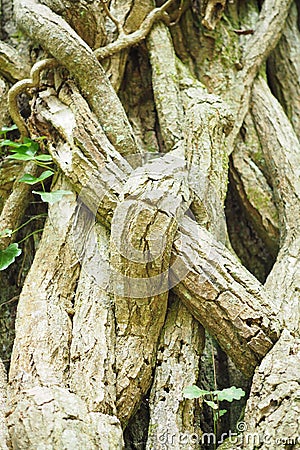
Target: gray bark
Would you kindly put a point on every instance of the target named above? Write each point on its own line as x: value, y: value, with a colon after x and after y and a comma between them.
x: 94, y: 328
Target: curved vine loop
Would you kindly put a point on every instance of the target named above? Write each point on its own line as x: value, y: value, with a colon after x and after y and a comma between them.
x: 21, y: 86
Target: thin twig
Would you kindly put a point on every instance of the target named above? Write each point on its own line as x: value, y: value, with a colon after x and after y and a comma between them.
x: 13, y: 299
x: 113, y: 18
x: 135, y: 37
x: 180, y: 12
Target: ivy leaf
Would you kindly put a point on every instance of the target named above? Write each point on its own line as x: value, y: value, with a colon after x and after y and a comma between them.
x: 29, y: 179
x: 13, y: 144
x: 213, y: 405
x: 52, y: 197
x: 44, y: 158
x: 8, y: 255
x: 32, y: 144
x: 21, y: 157
x: 230, y: 394
x: 23, y: 153
x: 5, y: 130
x: 194, y: 392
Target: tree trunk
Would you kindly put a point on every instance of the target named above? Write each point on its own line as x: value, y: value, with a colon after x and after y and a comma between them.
x: 159, y: 119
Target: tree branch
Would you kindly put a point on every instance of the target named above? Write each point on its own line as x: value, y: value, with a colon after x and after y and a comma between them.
x: 62, y: 42
x: 136, y: 37
x: 281, y: 152
x: 258, y: 47
x: 22, y: 86
x: 113, y: 18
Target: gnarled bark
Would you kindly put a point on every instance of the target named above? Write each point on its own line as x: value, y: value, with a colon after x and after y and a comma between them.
x: 94, y: 331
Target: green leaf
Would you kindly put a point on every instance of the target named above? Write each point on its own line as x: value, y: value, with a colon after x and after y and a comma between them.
x: 213, y: 405
x: 230, y: 394
x: 21, y: 157
x: 29, y: 179
x: 23, y: 153
x: 194, y: 392
x: 44, y: 158
x: 222, y: 412
x: 5, y: 233
x: 32, y: 144
x: 13, y: 144
x: 5, y: 130
x: 8, y: 255
x: 52, y: 197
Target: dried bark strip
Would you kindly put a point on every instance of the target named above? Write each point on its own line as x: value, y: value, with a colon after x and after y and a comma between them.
x: 88, y: 153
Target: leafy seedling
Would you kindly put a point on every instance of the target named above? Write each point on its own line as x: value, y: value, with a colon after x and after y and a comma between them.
x: 228, y: 394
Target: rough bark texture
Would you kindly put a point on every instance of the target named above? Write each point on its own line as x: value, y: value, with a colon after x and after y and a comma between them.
x: 139, y: 261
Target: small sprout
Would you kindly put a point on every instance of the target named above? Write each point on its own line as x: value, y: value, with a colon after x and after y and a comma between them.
x: 228, y: 394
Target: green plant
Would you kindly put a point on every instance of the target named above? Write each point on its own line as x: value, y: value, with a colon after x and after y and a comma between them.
x: 9, y: 254
x: 212, y: 399
x: 27, y: 150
